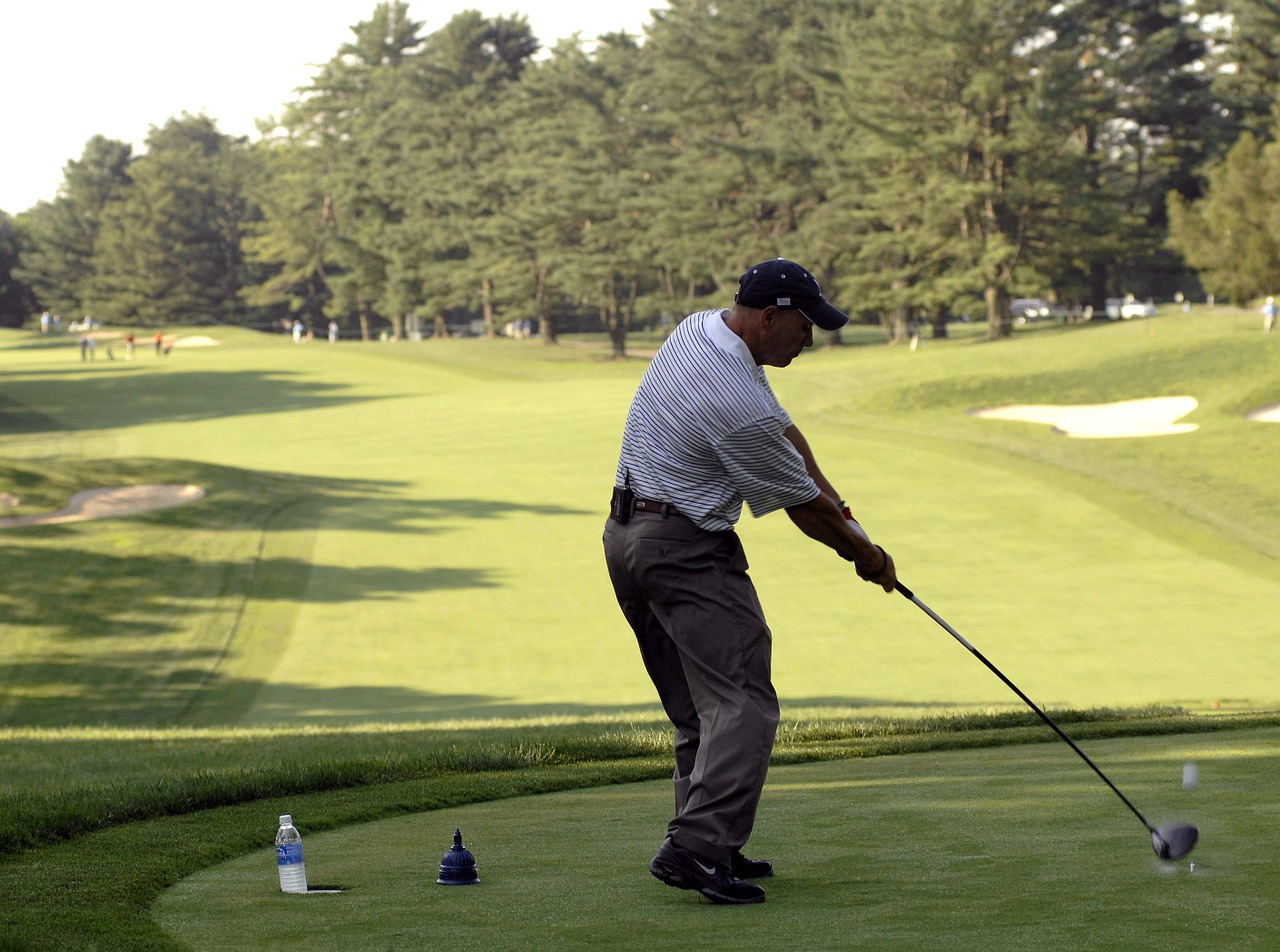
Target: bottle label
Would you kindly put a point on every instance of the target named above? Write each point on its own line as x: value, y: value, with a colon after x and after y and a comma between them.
x: 289, y: 854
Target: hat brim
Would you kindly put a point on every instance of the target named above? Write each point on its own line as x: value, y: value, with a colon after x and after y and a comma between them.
x: 824, y: 315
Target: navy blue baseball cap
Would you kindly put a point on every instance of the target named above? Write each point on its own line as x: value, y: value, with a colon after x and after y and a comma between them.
x: 782, y: 283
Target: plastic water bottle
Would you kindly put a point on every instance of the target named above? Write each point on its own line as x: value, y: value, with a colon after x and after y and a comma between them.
x: 293, y: 871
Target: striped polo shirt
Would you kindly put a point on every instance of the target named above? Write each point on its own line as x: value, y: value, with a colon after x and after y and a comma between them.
x: 705, y: 431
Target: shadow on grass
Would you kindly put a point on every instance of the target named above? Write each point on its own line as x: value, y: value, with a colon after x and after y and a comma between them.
x: 236, y: 499
x: 134, y: 620
x: 71, y: 400
x: 361, y: 506
x: 129, y: 692
x: 182, y: 686
x: 110, y: 595
x: 353, y: 705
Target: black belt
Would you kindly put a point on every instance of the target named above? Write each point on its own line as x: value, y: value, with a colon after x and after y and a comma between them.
x: 655, y: 507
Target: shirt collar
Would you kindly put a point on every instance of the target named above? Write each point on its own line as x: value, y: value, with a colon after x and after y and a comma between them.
x: 725, y: 339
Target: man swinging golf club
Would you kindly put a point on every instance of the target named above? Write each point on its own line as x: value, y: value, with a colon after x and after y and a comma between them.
x: 704, y: 434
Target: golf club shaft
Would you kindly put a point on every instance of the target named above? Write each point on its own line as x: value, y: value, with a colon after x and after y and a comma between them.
x: 907, y: 593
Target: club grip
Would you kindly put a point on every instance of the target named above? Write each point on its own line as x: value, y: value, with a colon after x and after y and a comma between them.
x: 907, y: 593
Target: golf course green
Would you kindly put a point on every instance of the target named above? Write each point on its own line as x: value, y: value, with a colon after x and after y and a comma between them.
x: 390, y: 600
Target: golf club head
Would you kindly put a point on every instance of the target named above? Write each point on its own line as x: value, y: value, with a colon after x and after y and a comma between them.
x: 1174, y: 840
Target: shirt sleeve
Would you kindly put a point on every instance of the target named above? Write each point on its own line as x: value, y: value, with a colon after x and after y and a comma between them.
x: 768, y: 390
x: 765, y: 468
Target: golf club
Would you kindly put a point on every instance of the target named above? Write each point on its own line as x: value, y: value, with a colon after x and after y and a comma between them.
x: 1171, y: 841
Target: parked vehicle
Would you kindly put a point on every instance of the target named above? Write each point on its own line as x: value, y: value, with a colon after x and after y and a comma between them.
x: 1122, y: 309
x: 1137, y: 309
x: 1029, y: 309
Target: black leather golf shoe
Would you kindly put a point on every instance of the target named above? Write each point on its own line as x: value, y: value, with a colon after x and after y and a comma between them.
x: 685, y: 870
x: 744, y: 867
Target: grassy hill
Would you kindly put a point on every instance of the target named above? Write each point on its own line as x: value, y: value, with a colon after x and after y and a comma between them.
x: 410, y: 532
x: 396, y: 571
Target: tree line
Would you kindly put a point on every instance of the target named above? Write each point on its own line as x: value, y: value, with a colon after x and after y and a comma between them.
x: 925, y: 158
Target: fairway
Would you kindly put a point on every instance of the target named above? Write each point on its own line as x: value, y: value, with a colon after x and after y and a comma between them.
x: 389, y: 606
x: 1015, y: 848
x: 429, y: 546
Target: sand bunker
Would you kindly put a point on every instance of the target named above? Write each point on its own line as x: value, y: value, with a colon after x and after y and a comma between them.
x: 1269, y: 414
x: 110, y: 503
x: 195, y: 340
x: 1151, y: 417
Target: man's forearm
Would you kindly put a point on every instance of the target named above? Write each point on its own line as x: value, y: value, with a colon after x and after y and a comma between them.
x: 821, y: 519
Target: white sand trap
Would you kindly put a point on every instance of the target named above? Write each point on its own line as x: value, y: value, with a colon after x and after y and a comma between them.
x: 1269, y: 414
x: 195, y: 340
x: 1151, y: 417
x: 110, y: 503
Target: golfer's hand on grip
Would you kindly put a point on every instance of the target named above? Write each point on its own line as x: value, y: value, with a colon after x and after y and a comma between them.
x: 885, y: 575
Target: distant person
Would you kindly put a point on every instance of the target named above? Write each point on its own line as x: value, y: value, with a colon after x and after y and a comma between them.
x: 128, y: 346
x: 297, y: 332
x: 1269, y: 315
x: 159, y: 341
x: 705, y: 434
x: 333, y: 332
x: 45, y: 321
x: 84, y: 347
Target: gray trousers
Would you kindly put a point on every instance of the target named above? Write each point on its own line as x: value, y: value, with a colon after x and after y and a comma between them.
x: 702, y: 635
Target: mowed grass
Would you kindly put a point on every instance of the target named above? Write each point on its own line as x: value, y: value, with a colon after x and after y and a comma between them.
x: 396, y: 576
x: 97, y: 889
x: 1013, y: 848
x: 429, y: 547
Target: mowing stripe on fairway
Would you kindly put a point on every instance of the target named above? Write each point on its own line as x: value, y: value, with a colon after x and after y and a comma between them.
x: 459, y: 575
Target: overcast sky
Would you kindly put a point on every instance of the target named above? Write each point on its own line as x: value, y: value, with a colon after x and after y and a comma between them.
x: 73, y: 69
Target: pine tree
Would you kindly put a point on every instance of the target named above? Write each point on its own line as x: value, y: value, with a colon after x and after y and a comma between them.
x: 169, y: 250
x: 1246, y: 65
x: 1231, y: 236
x: 57, y: 260
x: 945, y: 161
x: 16, y: 299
